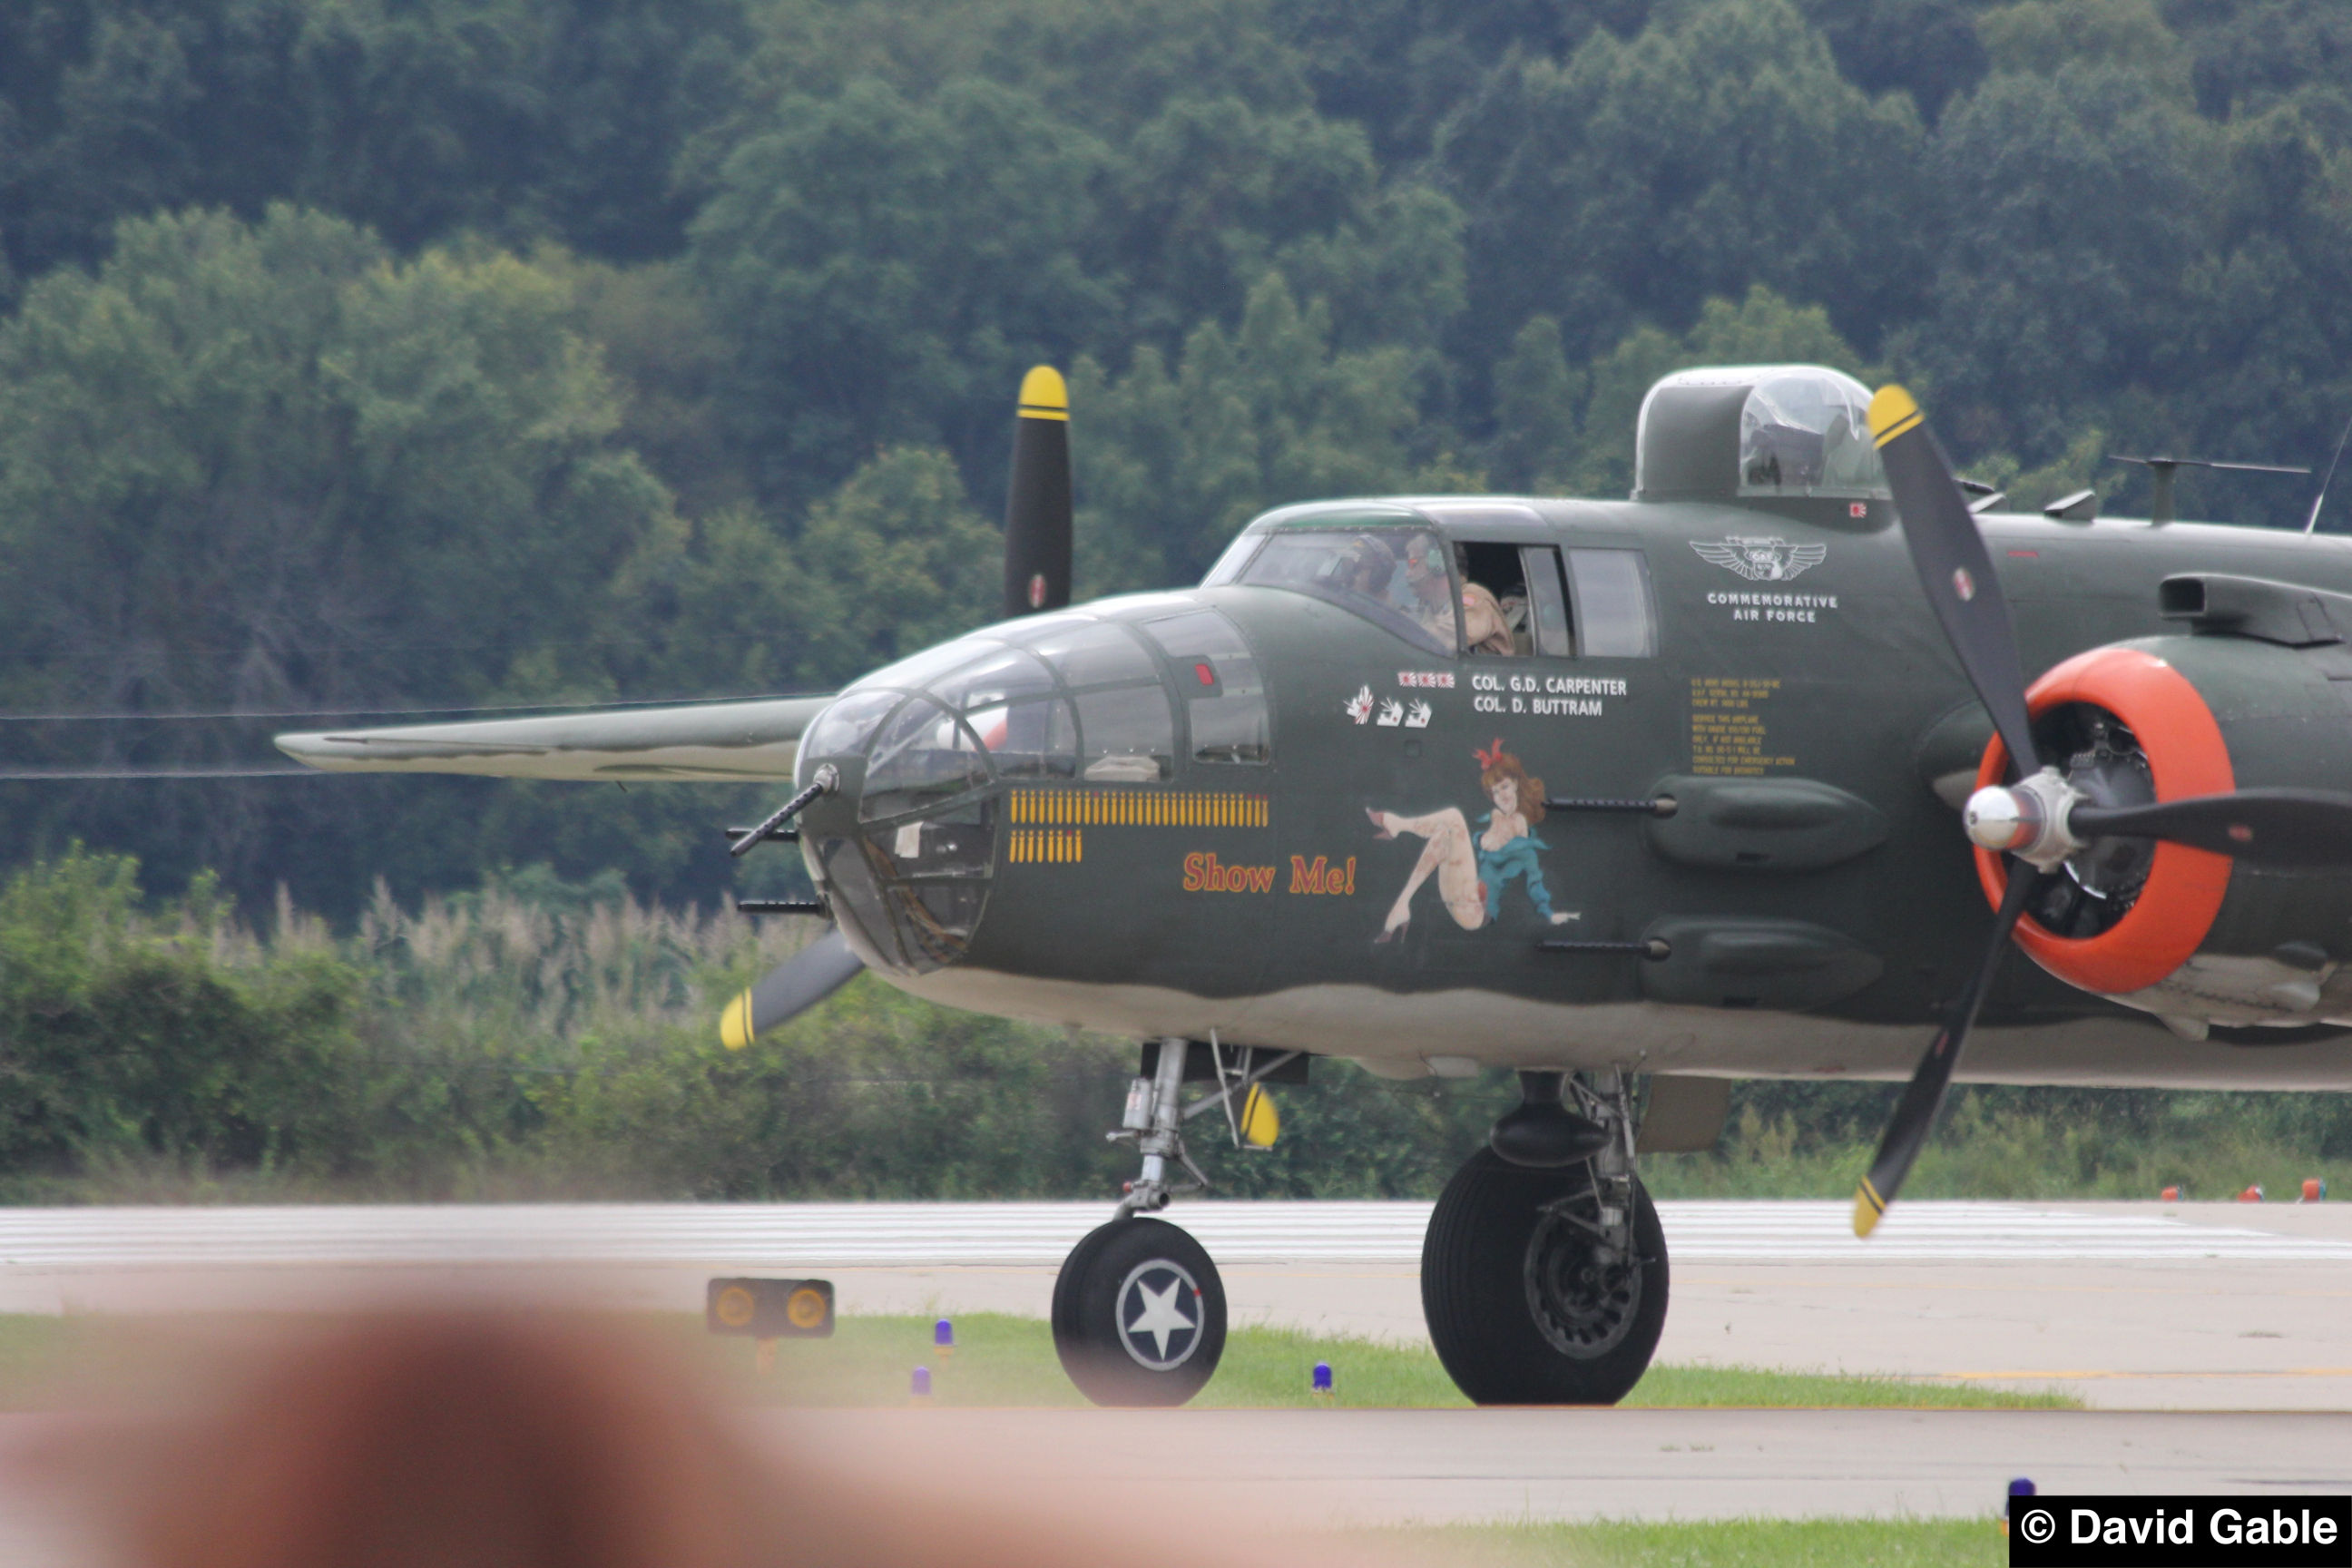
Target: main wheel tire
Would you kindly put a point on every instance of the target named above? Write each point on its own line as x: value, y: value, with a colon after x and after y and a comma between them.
x: 1520, y: 1308
x: 1139, y: 1314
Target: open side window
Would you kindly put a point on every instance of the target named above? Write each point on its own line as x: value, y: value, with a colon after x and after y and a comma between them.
x: 1513, y: 603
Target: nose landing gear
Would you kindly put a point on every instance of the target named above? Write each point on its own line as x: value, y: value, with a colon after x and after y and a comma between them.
x: 1138, y: 1310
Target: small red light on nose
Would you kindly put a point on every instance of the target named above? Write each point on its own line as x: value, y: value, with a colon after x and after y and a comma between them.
x: 1208, y: 676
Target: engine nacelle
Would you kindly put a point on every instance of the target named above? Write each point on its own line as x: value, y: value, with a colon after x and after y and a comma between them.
x: 2194, y: 937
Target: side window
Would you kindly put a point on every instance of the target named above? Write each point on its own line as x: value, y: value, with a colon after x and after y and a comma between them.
x: 1224, y: 696
x: 1547, y: 601
x: 1513, y: 601
x: 1615, y: 617
x: 1126, y: 736
x: 1493, y: 600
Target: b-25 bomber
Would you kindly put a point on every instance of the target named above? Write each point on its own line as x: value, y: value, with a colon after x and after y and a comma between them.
x: 1741, y: 776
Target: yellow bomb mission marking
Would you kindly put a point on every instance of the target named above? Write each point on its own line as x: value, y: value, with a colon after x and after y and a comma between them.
x: 1204, y: 873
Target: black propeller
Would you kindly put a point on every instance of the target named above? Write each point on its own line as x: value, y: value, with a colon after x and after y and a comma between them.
x: 1038, y: 501
x: 789, y: 989
x: 2041, y: 821
x: 1954, y: 566
x: 1036, y: 577
x: 2283, y: 827
x: 1922, y: 1097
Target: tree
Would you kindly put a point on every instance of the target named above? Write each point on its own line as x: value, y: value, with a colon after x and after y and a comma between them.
x: 1717, y: 149
x: 266, y: 468
x: 892, y: 266
x: 1762, y: 329
x: 1170, y: 464
x: 523, y: 119
x: 2077, y: 215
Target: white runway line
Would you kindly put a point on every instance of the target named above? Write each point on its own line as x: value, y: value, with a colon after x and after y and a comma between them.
x: 1016, y: 1234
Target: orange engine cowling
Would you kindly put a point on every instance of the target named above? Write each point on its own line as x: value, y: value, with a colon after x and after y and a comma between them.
x: 2174, y: 907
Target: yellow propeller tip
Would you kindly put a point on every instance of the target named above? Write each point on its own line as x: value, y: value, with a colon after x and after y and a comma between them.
x: 1045, y: 395
x: 735, y: 1023
x: 1261, y: 1122
x: 1891, y: 412
x: 1869, y: 1208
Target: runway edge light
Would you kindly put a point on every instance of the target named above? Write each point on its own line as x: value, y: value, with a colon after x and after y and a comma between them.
x: 2022, y: 1486
x: 770, y: 1309
x: 943, y: 1336
x: 2315, y: 1190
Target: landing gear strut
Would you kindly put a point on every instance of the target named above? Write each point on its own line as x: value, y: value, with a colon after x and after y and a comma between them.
x: 1139, y: 1310
x: 1547, y: 1284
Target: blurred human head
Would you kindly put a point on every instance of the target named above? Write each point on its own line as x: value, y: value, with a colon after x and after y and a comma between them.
x: 473, y: 1438
x: 1425, y: 568
x: 1367, y: 567
x: 455, y: 1438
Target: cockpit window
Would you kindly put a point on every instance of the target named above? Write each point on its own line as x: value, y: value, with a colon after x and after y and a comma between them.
x: 845, y: 727
x: 918, y: 670
x: 923, y: 754
x: 1396, y: 577
x: 1807, y: 432
x: 1128, y: 735
x: 1224, y: 696
x: 1094, y: 653
x: 1034, y: 739
x: 1005, y: 675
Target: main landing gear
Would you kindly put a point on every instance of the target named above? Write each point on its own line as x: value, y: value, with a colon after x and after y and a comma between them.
x: 1543, y: 1275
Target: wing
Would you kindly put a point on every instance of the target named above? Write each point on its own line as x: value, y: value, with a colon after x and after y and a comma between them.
x: 713, y: 741
x: 1722, y: 555
x: 1805, y: 557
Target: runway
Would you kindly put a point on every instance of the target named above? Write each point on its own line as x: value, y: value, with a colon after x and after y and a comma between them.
x: 2136, y: 1306
x: 2216, y: 1341
x: 1315, y: 1469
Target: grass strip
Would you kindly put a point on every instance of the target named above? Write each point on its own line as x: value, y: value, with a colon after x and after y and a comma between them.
x: 1709, y: 1544
x: 1008, y: 1361
x: 1004, y: 1361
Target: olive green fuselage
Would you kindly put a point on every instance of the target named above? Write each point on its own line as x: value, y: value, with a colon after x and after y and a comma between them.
x: 1813, y: 893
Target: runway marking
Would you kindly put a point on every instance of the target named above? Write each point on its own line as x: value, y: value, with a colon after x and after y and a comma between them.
x: 2109, y: 1374
x: 1024, y: 1234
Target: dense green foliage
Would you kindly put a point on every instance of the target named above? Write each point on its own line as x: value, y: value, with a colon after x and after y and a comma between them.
x: 358, y: 355
x: 541, y: 1038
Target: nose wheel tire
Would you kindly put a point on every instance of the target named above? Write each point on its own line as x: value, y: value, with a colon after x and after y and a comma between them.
x: 1139, y: 1314
x: 1526, y: 1305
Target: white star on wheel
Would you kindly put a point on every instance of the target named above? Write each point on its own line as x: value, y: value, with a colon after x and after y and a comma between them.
x: 1160, y: 1318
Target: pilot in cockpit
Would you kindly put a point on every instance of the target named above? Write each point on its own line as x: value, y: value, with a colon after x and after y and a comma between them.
x: 1431, y: 600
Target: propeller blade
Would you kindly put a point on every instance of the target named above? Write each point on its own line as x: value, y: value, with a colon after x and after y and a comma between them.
x: 1954, y: 566
x: 1038, y: 501
x: 2285, y: 827
x: 1914, y: 1114
x: 789, y: 989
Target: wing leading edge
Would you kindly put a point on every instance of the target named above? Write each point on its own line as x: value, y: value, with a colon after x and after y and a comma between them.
x: 711, y: 742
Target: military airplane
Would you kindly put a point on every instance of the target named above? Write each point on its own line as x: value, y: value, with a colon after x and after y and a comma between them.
x: 1740, y: 776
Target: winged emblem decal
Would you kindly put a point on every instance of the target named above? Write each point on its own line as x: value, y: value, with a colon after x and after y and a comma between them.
x: 1766, y: 559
